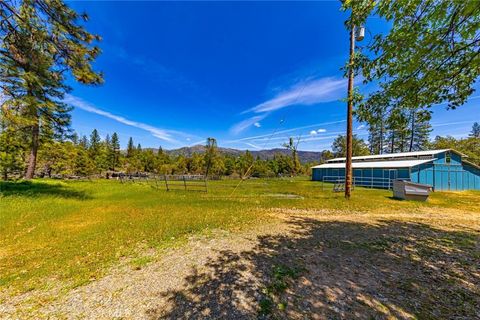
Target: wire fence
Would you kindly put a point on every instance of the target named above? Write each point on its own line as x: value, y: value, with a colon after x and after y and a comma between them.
x: 186, y: 182
x: 368, y: 182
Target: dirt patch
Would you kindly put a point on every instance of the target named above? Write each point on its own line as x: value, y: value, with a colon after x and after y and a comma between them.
x: 139, y: 292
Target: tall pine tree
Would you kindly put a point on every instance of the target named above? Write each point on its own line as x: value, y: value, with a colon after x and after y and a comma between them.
x: 397, y: 126
x: 40, y: 41
x: 95, y: 145
x: 130, y: 148
x: 374, y: 115
x: 115, y: 145
x: 420, y: 129
x: 475, y: 130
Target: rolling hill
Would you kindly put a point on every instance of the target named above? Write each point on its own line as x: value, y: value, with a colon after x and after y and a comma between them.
x: 304, y: 156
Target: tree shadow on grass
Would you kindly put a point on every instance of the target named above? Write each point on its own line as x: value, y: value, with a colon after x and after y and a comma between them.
x: 37, y: 189
x: 337, y: 270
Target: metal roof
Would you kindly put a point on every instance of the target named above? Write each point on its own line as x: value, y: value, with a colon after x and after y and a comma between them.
x: 397, y: 155
x: 376, y: 164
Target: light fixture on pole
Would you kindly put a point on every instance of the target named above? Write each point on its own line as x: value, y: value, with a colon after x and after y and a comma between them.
x: 359, y: 33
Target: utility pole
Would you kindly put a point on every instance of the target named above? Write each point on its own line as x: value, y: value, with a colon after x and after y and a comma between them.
x: 356, y: 33
x: 348, y: 162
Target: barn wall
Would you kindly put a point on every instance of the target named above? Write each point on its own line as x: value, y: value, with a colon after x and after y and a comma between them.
x: 376, y: 177
x: 455, y: 159
x: 471, y: 178
x: 448, y: 177
x: 453, y: 176
x: 443, y: 176
x: 317, y: 174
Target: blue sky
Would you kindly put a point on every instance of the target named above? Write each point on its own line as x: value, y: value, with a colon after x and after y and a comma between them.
x: 248, y: 74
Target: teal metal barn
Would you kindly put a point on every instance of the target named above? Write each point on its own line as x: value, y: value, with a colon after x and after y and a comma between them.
x: 444, y: 169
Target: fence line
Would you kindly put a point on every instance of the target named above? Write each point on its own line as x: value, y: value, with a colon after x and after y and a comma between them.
x: 186, y: 182
x: 369, y: 182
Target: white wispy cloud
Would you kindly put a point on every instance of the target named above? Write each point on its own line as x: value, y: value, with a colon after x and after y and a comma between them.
x: 253, y: 145
x: 316, y: 138
x: 301, y: 136
x: 313, y: 132
x: 257, y: 124
x: 280, y: 132
x: 306, y: 92
x: 242, y: 125
x: 159, y: 133
x: 451, y: 123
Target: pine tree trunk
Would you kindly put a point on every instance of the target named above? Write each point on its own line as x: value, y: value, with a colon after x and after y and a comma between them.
x: 412, y: 133
x: 380, y: 149
x: 114, y: 164
x: 392, y: 149
x: 32, y: 159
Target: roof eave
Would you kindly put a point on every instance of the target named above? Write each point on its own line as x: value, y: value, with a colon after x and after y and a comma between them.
x: 392, y: 155
x: 471, y: 163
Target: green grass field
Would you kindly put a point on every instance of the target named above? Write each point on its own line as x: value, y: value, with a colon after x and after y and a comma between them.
x: 70, y: 232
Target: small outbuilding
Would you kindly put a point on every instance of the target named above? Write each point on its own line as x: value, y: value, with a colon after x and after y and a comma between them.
x: 444, y: 169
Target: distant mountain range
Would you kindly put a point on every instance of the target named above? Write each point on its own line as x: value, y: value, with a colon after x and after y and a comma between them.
x: 304, y: 156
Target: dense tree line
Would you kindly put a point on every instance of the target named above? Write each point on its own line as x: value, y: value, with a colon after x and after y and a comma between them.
x: 470, y: 146
x: 339, y: 147
x: 394, y: 129
x: 94, y: 156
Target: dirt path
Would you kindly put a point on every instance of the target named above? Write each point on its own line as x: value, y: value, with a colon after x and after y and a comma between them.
x: 305, y: 265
